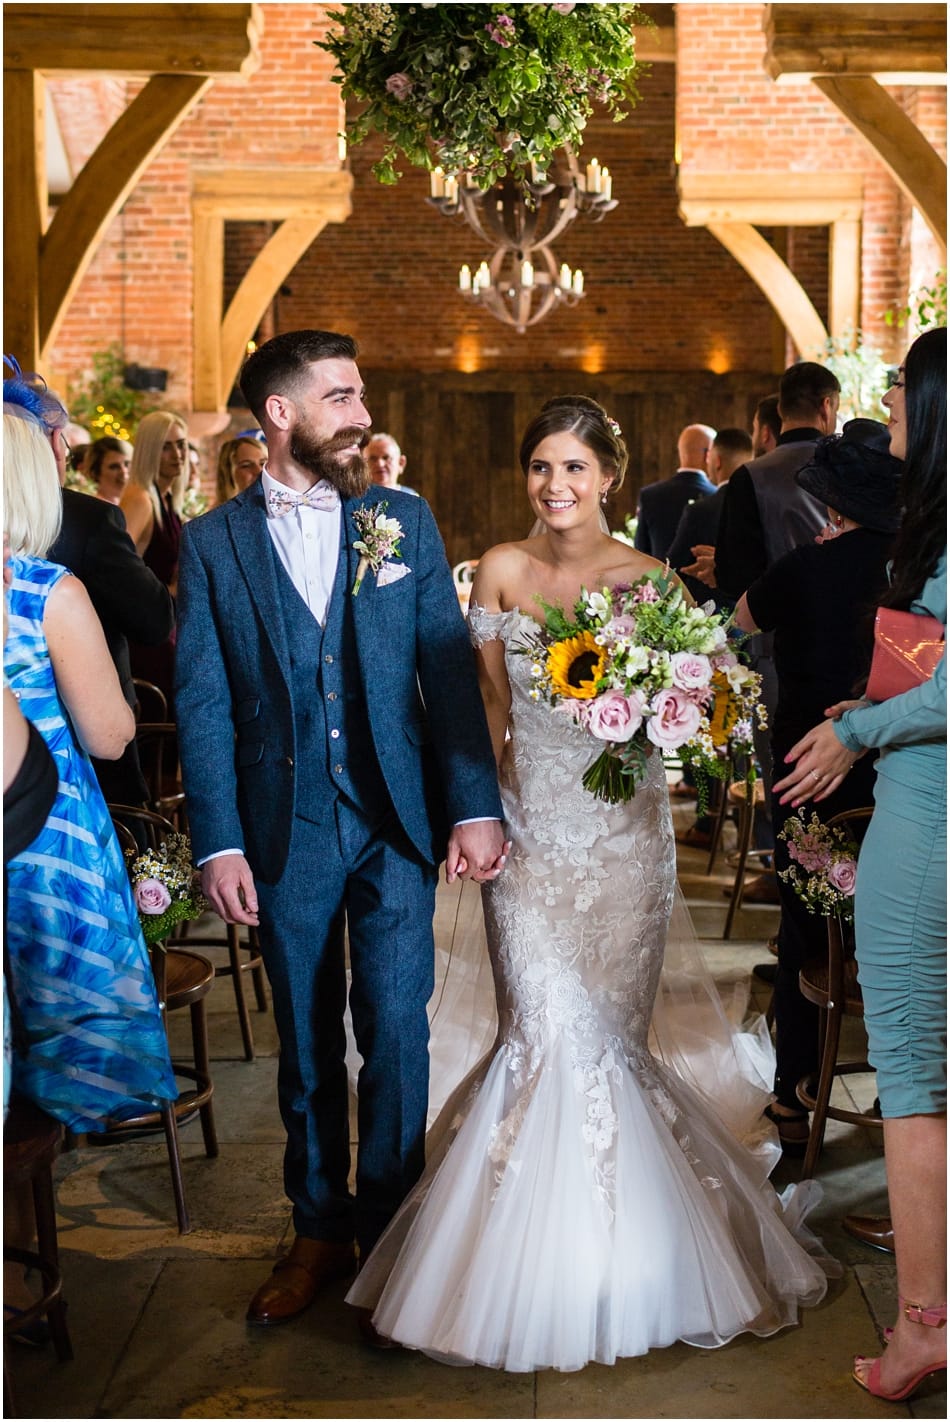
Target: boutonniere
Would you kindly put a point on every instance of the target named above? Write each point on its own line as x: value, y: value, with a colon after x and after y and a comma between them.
x: 378, y: 542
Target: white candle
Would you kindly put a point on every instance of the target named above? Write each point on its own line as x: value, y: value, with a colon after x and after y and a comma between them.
x: 436, y: 183
x: 482, y: 277
x: 608, y: 183
x: 565, y: 277
x: 527, y: 274
x: 578, y: 282
x: 451, y: 188
x: 465, y: 278
x: 593, y: 176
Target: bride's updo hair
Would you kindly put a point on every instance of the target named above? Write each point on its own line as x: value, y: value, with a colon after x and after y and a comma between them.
x: 581, y: 416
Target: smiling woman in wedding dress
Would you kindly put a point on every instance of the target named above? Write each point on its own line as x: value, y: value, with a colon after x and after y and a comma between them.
x: 584, y: 1200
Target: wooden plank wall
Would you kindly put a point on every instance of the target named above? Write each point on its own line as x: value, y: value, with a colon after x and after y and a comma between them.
x: 461, y: 433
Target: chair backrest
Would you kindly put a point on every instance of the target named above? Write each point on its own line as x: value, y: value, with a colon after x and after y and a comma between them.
x: 157, y: 744
x: 152, y: 703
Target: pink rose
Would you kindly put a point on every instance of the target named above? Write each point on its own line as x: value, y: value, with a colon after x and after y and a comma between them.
x: 151, y: 896
x: 675, y: 719
x: 690, y: 670
x: 615, y: 717
x: 399, y: 85
x: 842, y: 875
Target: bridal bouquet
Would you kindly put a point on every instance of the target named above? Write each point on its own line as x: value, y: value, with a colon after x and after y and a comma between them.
x: 165, y: 887
x: 824, y: 865
x: 639, y: 667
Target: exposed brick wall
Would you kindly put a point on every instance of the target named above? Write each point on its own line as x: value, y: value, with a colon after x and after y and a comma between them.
x: 661, y: 296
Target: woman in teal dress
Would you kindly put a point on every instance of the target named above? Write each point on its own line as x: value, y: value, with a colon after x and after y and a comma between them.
x: 92, y: 1045
x: 900, y: 904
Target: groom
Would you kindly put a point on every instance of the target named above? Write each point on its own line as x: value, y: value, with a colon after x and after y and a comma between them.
x: 334, y: 750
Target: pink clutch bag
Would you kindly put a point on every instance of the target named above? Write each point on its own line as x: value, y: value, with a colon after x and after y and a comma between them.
x: 907, y: 649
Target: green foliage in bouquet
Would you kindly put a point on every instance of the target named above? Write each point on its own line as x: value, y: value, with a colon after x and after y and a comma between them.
x: 487, y: 89
x: 165, y: 887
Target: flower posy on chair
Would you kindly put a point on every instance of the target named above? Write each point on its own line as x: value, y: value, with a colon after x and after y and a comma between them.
x: 640, y: 668
x: 164, y: 886
x: 824, y: 865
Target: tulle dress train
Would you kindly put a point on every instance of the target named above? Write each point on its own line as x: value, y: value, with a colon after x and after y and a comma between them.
x: 586, y: 1196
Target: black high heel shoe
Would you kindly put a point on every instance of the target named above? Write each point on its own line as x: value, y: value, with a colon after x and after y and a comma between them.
x: 792, y: 1130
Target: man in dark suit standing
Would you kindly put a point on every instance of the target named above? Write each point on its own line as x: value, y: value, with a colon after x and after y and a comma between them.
x: 335, y: 750
x: 661, y: 504
x: 699, y: 521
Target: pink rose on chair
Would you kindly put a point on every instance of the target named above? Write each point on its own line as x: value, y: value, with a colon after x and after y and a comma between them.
x: 690, y: 670
x: 843, y: 875
x: 615, y: 717
x: 151, y: 896
x: 675, y: 719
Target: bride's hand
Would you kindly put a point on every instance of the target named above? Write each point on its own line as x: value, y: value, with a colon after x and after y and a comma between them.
x: 477, y: 850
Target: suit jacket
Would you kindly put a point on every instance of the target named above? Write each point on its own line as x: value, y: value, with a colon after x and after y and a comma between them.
x: 129, y: 600
x: 660, y: 507
x: 699, y: 523
x: 415, y: 664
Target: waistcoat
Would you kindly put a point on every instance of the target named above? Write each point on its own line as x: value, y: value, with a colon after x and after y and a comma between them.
x: 334, y: 745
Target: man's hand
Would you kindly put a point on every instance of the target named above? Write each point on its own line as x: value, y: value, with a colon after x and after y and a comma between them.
x: 704, y: 569
x: 228, y: 884
x: 477, y: 850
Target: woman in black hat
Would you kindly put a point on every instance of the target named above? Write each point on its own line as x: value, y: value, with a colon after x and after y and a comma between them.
x: 819, y: 601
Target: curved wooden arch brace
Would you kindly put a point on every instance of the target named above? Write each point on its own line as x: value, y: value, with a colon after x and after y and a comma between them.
x: 769, y: 272
x: 306, y: 202
x: 913, y: 163
x: 103, y: 185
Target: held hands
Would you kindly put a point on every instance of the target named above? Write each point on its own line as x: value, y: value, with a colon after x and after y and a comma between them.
x: 228, y: 884
x: 704, y: 569
x: 820, y: 761
x: 477, y: 850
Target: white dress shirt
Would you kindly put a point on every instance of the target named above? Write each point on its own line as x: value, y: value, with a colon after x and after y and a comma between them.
x: 308, y: 544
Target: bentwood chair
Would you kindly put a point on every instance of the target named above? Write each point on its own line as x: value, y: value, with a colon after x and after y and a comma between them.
x: 831, y: 983
x: 182, y: 979
x: 745, y: 798
x: 152, y: 703
x: 31, y: 1142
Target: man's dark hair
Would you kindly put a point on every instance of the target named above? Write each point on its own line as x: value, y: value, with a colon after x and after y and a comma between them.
x: 734, y: 442
x: 802, y: 389
x: 766, y: 412
x: 277, y: 366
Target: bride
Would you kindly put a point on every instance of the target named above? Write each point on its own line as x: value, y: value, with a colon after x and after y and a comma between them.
x: 582, y: 1201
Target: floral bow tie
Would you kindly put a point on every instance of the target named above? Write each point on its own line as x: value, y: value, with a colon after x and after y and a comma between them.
x: 284, y: 501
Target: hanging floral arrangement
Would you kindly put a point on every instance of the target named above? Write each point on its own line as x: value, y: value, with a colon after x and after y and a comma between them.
x: 487, y: 89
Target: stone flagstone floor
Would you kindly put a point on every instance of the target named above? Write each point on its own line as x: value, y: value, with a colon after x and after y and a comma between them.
x: 157, y: 1319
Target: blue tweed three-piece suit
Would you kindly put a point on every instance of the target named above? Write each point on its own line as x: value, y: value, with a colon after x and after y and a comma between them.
x: 335, y: 758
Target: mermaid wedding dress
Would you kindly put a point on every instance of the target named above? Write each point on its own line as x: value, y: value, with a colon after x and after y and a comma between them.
x: 585, y: 1200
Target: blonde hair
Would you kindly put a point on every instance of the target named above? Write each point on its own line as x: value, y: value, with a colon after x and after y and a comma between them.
x: 32, y: 500
x: 226, y: 483
x: 146, y: 456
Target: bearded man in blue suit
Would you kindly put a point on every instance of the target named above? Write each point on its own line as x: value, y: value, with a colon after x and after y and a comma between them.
x: 334, y: 750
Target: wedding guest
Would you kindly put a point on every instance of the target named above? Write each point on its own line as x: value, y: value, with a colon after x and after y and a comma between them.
x: 385, y: 462
x: 819, y: 660
x: 900, y: 899
x: 108, y: 467
x: 660, y: 504
x: 699, y: 521
x: 240, y: 462
x: 93, y: 1045
x: 152, y: 505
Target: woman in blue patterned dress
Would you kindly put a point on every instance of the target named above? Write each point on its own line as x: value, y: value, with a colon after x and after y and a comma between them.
x: 93, y: 1046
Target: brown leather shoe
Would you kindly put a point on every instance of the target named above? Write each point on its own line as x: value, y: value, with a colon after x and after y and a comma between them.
x: 875, y: 1230
x: 295, y: 1279
x: 370, y: 1333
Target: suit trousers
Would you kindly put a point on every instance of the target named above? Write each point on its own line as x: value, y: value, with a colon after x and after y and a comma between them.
x: 354, y: 874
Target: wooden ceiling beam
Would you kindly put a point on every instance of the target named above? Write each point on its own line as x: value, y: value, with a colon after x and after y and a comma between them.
x: 770, y: 199
x: 807, y: 39
x: 220, y: 41
x: 914, y: 164
x: 783, y: 289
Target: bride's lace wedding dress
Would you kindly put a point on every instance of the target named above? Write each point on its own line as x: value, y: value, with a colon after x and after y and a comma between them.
x: 583, y: 1201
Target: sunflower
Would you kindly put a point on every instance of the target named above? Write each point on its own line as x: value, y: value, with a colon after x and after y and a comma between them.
x: 725, y: 711
x: 575, y: 666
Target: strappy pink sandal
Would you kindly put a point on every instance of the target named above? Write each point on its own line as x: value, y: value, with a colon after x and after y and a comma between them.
x: 935, y: 1317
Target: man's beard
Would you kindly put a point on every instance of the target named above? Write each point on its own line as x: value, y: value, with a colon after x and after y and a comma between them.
x: 349, y: 476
